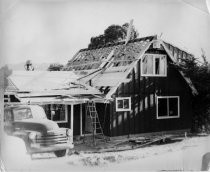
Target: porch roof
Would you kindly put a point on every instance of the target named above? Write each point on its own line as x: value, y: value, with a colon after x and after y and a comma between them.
x: 41, y: 80
x: 52, y: 100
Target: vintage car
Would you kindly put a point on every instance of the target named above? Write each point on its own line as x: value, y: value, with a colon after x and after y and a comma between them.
x: 40, y: 134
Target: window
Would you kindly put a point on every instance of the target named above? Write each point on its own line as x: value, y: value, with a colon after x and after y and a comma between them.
x: 153, y: 65
x: 123, y: 104
x: 168, y: 107
x: 7, y: 98
x: 22, y: 113
x: 59, y: 113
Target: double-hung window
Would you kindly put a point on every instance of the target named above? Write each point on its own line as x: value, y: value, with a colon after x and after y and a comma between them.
x: 168, y: 107
x: 154, y: 65
x: 123, y: 104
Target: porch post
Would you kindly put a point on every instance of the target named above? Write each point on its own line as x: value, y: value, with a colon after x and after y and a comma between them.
x: 80, y: 119
x: 72, y: 117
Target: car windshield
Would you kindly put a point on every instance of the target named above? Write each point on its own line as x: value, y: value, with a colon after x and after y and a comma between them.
x: 35, y: 112
x: 22, y: 113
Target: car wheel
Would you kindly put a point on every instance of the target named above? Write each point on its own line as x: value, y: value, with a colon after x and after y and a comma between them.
x: 60, y: 153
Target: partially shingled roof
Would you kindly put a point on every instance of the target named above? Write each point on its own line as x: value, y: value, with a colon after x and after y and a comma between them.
x: 123, y: 55
x: 105, y: 61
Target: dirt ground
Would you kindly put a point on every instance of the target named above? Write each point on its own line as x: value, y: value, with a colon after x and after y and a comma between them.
x: 182, y: 155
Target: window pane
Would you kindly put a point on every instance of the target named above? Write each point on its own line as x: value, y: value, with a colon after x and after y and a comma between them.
x: 20, y: 114
x: 59, y: 113
x: 162, y: 107
x: 157, y: 66
x: 120, y: 104
x: 62, y: 113
x: 162, y: 65
x: 126, y: 104
x: 147, y: 64
x: 173, y: 107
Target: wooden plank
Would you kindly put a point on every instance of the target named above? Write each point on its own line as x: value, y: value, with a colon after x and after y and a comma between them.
x: 72, y: 118
x: 80, y: 119
x: 133, y: 102
x: 111, y: 117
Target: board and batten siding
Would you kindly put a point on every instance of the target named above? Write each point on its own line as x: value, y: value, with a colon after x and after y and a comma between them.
x: 143, y: 91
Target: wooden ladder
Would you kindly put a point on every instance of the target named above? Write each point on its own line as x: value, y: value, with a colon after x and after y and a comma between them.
x: 97, y: 131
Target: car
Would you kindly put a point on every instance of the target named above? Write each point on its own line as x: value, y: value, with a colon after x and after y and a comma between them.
x: 39, y: 134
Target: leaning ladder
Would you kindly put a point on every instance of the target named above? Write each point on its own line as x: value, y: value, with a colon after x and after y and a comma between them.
x: 97, y: 130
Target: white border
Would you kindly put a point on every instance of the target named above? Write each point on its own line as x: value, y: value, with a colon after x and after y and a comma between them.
x: 66, y: 114
x: 121, y: 109
x: 167, y: 117
x: 154, y: 75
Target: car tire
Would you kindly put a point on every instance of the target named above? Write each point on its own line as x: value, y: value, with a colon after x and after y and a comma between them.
x: 60, y: 153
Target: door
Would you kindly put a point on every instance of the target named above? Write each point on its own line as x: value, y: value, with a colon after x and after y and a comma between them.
x: 86, y: 121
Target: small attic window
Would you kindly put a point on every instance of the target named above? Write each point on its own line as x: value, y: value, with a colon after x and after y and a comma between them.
x: 123, y: 104
x: 154, y: 65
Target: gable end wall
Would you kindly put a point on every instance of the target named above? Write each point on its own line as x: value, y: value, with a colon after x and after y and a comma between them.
x: 143, y: 92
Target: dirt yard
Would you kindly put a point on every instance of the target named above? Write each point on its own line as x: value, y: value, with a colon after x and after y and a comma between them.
x: 184, y: 154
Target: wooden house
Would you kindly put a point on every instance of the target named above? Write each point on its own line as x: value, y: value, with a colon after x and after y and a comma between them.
x: 143, y: 90
x: 135, y: 86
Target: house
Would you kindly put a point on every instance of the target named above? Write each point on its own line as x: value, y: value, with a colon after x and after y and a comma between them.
x: 144, y: 91
x: 135, y: 86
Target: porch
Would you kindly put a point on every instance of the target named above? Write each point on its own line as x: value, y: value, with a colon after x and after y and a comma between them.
x: 69, y: 112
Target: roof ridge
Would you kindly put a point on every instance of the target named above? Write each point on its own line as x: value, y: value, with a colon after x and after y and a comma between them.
x: 118, y: 43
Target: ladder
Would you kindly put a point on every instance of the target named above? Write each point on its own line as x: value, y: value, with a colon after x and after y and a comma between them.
x: 97, y: 131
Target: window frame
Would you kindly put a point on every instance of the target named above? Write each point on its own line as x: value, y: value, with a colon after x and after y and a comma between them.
x: 122, y: 109
x: 66, y: 113
x: 8, y: 98
x: 154, y: 56
x: 168, y: 117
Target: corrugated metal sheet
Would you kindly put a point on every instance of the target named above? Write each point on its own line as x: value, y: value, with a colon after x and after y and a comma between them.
x: 50, y: 84
x: 41, y: 80
x: 109, y: 79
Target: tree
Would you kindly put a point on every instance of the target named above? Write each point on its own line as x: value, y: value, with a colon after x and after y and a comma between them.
x: 200, y: 77
x: 55, y: 67
x: 113, y: 34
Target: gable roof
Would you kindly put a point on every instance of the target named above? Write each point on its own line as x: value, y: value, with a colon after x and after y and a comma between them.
x: 123, y: 59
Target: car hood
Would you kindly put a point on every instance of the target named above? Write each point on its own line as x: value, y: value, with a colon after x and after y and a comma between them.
x: 41, y: 125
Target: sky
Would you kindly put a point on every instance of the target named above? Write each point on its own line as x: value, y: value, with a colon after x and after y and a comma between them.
x: 49, y: 31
